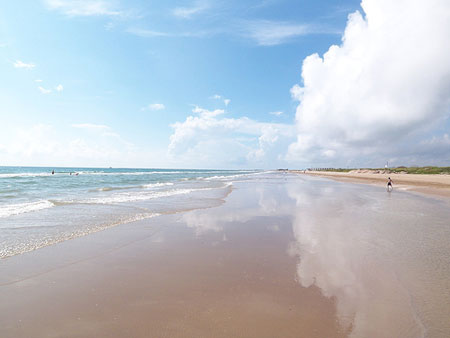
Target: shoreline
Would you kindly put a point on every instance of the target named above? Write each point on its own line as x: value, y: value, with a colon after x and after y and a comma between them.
x: 431, y: 185
x: 16, y: 238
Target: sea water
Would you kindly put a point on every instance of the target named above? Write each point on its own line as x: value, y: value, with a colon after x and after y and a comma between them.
x: 40, y: 206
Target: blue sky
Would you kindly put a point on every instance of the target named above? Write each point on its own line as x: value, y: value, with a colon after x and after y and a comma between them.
x: 174, y: 84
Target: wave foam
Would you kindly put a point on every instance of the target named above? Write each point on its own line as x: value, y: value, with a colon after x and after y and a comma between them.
x: 135, y: 197
x: 20, y: 208
x: 155, y: 185
x: 38, y: 242
x: 24, y: 175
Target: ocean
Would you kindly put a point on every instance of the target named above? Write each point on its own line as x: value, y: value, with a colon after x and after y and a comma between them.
x: 40, y: 208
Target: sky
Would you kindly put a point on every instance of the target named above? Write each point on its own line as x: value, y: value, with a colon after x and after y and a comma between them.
x: 224, y: 84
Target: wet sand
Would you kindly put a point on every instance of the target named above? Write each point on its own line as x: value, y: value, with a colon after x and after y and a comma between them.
x: 284, y: 256
x: 437, y: 185
x: 178, y: 286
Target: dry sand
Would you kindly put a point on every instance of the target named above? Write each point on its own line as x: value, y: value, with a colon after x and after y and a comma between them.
x: 437, y: 185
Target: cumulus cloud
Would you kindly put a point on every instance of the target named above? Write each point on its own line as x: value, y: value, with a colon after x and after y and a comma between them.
x: 389, y: 81
x: 20, y: 64
x: 44, y: 91
x: 155, y: 106
x: 205, y: 113
x: 84, y: 7
x: 434, y: 150
x: 59, y: 88
x: 210, y: 139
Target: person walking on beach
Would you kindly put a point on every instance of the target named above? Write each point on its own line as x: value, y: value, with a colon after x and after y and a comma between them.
x: 389, y: 184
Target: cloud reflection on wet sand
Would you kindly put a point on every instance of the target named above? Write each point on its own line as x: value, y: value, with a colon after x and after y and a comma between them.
x: 367, y: 250
x: 351, y: 242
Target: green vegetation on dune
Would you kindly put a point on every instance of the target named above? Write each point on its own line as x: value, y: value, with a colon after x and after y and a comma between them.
x: 421, y: 170
x: 339, y: 170
x: 398, y: 170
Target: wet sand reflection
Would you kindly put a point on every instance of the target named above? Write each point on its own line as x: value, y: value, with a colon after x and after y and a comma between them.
x: 365, y: 249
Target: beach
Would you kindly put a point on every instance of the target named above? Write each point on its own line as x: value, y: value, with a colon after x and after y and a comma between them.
x: 222, y: 169
x: 268, y: 255
x: 436, y: 185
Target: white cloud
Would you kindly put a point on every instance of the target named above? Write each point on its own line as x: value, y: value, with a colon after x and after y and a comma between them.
x: 92, y: 127
x: 44, y: 91
x: 205, y: 113
x: 98, y: 129
x: 220, y: 97
x: 146, y: 33
x: 155, y: 106
x: 189, y: 12
x: 388, y: 82
x: 203, y: 140
x: 20, y: 64
x: 270, y: 33
x: 84, y: 7
x: 43, y: 144
x: 38, y: 80
x: 149, y: 33
x: 31, y: 141
x: 297, y: 92
x: 434, y: 150
x: 276, y: 113
x: 59, y: 88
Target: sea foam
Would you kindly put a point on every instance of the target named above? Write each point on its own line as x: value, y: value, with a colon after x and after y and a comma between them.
x: 20, y: 208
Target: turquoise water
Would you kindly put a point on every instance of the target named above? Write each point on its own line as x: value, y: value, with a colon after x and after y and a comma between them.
x: 38, y: 207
